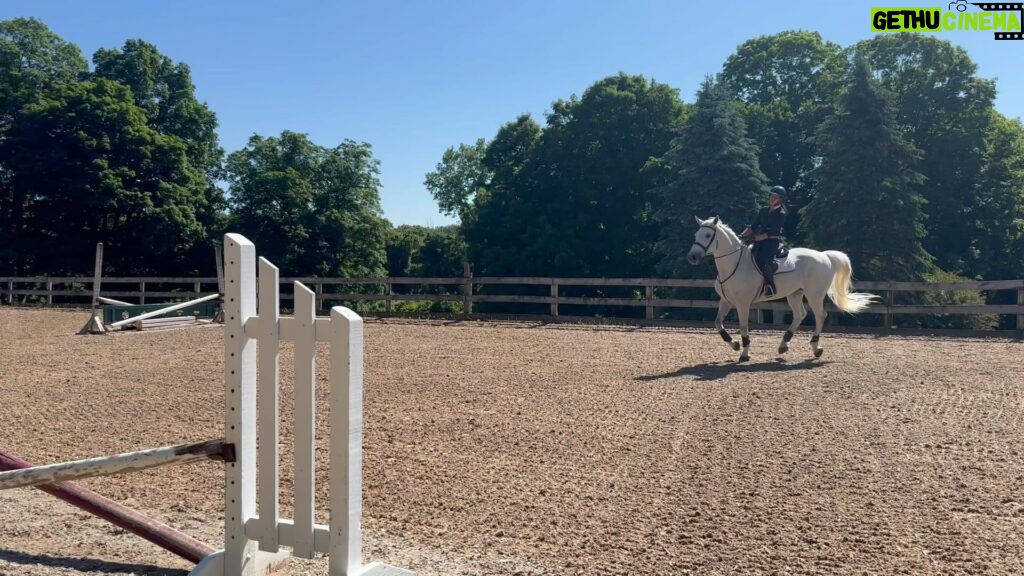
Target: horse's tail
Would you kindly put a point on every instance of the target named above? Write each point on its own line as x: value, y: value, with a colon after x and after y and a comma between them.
x: 839, y: 291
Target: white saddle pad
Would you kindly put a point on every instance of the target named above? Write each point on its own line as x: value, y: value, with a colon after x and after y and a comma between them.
x: 787, y: 264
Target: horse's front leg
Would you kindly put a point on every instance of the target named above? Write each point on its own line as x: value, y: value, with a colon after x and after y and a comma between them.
x: 724, y: 306
x: 744, y: 314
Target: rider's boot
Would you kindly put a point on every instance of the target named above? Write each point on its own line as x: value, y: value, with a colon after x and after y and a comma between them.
x: 769, y: 281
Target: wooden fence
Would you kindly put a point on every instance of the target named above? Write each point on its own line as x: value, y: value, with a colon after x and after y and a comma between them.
x: 550, y: 293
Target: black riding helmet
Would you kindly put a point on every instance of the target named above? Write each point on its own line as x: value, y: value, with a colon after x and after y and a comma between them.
x: 780, y: 192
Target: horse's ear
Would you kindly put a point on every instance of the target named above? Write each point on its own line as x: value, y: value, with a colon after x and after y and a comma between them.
x: 699, y: 221
x: 716, y: 220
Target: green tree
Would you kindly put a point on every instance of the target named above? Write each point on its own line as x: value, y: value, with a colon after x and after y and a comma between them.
x: 33, y: 61
x: 460, y: 175
x: 164, y: 90
x: 403, y: 243
x: 315, y: 210
x: 595, y: 175
x: 868, y: 202
x: 442, y: 253
x: 504, y: 216
x: 91, y: 170
x: 716, y: 173
x: 788, y: 83
x: 998, y: 237
x: 946, y: 109
x: 574, y: 198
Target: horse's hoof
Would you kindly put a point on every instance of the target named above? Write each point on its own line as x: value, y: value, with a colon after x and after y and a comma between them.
x: 819, y: 352
x: 744, y: 359
x: 783, y: 349
x: 735, y: 346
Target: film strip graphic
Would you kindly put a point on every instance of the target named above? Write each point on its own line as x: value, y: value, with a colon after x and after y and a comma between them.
x: 1004, y: 7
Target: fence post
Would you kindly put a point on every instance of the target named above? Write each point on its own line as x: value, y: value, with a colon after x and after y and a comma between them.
x: 890, y: 296
x: 649, y: 312
x: 387, y: 300
x: 49, y: 292
x: 319, y: 295
x: 1020, y: 302
x: 467, y: 289
x: 197, y: 287
x: 10, y: 291
x: 554, y: 294
x: 142, y: 292
x: 97, y: 277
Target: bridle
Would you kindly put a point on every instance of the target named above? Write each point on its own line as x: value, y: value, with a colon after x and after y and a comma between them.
x: 705, y: 248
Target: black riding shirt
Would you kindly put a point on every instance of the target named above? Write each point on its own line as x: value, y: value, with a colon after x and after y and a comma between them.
x: 770, y: 222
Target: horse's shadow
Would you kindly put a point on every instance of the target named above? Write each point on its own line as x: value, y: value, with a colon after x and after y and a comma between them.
x: 90, y: 565
x: 720, y: 370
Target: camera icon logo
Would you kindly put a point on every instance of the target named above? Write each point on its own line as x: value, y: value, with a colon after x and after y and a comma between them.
x: 961, y: 5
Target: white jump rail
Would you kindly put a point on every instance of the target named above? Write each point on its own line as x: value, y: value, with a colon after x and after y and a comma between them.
x: 252, y: 334
x: 105, y: 300
x: 170, y: 322
x: 170, y: 308
x: 110, y: 465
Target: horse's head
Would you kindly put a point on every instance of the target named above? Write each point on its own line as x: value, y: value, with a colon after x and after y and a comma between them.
x: 704, y: 241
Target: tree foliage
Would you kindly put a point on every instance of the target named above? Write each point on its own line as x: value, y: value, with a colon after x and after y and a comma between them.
x: 87, y: 169
x: 312, y: 210
x: 787, y: 83
x: 715, y: 173
x: 459, y: 177
x: 33, y: 61
x: 574, y: 197
x: 946, y: 109
x: 868, y: 202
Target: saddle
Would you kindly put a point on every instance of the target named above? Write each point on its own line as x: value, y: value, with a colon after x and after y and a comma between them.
x: 780, y: 255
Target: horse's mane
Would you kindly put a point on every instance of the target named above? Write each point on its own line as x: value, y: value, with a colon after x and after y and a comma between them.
x: 728, y: 231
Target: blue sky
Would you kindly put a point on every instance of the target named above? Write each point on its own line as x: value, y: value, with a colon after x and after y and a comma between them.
x: 413, y: 78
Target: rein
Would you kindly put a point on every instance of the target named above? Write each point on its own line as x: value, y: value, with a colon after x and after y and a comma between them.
x: 714, y: 236
x: 735, y: 268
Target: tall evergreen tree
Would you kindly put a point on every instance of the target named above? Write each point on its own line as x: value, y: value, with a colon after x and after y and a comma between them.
x: 868, y: 202
x: 998, y: 215
x: 787, y: 83
x: 945, y: 108
x: 716, y: 173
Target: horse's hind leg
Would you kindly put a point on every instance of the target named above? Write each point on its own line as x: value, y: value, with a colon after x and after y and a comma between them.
x: 818, y: 307
x: 796, y: 304
x: 724, y: 306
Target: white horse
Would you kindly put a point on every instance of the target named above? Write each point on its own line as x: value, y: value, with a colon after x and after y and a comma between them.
x: 739, y: 283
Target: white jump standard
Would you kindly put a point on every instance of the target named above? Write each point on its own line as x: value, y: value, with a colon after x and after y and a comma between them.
x: 253, y: 538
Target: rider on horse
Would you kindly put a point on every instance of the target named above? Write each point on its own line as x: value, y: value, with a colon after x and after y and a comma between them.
x: 767, y: 231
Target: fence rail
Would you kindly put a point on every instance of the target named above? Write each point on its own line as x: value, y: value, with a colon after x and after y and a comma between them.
x: 466, y: 290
